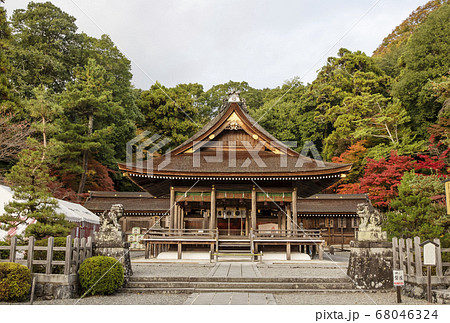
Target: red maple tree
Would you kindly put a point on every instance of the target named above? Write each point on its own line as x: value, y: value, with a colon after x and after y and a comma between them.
x: 98, y: 180
x: 381, y: 178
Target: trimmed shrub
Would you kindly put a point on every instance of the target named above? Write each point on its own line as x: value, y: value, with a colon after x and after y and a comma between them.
x: 15, y: 281
x: 92, y: 270
x: 4, y: 254
x: 57, y: 255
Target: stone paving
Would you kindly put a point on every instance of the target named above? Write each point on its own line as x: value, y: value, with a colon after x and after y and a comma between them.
x: 172, y: 270
x: 247, y: 270
x: 235, y: 270
x: 230, y: 299
x: 306, y: 270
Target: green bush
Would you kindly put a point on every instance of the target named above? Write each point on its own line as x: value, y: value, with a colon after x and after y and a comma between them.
x: 4, y: 254
x: 15, y: 281
x: 92, y: 270
x: 57, y: 255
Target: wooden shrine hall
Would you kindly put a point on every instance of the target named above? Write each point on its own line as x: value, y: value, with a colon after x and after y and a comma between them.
x: 233, y: 186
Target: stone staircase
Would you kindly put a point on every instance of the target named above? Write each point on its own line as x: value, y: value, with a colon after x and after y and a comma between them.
x: 237, y: 284
x: 234, y: 249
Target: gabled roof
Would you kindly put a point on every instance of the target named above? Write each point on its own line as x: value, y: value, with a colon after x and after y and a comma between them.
x: 331, y: 204
x: 234, y: 112
x: 275, y: 158
x: 233, y: 148
x: 134, y: 203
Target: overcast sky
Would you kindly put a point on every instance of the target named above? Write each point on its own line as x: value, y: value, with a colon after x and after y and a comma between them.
x: 211, y: 42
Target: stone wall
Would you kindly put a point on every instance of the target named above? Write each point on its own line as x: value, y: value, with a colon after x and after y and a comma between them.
x: 440, y: 294
x: 56, y: 286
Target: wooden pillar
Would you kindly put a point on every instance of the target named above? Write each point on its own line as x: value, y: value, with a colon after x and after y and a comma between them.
x: 253, y: 208
x: 181, y: 219
x: 294, y: 210
x: 179, y: 250
x: 280, y: 221
x: 241, y: 221
x: 172, y: 209
x: 212, y: 220
x: 175, y: 217
x: 12, y: 249
x: 418, y: 259
x: 289, y: 219
x: 439, y: 271
x: 205, y: 224
x: 409, y: 259
x: 124, y: 224
x: 67, y: 266
x: 288, y: 251
x: 246, y: 222
x: 180, y: 216
x: 30, y: 255
x: 48, y: 265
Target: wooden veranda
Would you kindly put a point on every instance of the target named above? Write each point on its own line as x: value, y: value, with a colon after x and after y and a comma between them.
x: 307, y: 241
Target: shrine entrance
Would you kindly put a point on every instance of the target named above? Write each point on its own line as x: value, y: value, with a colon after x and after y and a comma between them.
x: 231, y: 226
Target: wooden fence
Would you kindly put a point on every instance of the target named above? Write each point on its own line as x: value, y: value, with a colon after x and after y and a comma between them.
x: 75, y: 251
x: 408, y: 255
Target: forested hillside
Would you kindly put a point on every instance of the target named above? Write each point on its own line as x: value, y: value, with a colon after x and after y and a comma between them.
x: 388, y: 114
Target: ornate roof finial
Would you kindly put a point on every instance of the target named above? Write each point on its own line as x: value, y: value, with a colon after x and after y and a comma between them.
x: 233, y: 95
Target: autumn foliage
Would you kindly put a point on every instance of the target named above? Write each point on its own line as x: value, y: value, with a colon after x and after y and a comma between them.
x: 381, y: 178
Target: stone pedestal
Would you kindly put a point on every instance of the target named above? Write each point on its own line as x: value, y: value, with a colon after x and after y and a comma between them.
x: 110, y: 241
x: 118, y: 250
x: 370, y: 264
x: 56, y: 286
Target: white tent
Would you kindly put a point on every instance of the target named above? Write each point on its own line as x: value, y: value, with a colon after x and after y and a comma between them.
x: 72, y: 211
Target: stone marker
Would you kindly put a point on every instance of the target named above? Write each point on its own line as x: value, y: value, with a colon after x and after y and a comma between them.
x: 370, y: 263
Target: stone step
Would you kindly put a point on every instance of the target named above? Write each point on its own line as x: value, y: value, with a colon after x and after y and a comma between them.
x: 235, y: 290
x: 227, y: 247
x: 240, y: 285
x: 240, y: 279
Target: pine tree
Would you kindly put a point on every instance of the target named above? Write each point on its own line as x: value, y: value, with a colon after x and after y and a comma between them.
x: 88, y: 105
x: 414, y: 213
x: 32, y: 199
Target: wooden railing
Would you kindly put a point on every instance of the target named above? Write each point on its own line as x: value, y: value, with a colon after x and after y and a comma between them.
x: 299, y: 234
x: 75, y: 252
x: 182, y: 233
x: 158, y: 240
x: 407, y: 256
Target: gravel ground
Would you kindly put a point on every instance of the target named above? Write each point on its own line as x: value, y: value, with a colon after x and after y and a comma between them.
x: 171, y: 270
x: 380, y: 298
x: 303, y: 270
x: 387, y: 298
x: 117, y: 299
x: 136, y: 254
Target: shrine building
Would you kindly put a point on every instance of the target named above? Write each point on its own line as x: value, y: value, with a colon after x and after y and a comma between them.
x: 233, y: 181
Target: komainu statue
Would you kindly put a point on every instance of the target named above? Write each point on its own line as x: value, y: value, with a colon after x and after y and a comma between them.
x: 370, y: 224
x: 110, y: 229
x: 109, y: 240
